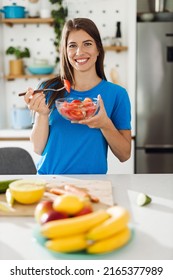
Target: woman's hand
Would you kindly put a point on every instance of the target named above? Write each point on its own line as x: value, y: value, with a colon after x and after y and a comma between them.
x: 119, y: 141
x: 100, y: 120
x: 36, y: 102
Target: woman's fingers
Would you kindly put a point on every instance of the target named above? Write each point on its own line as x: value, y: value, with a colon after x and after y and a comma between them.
x: 100, y: 119
x: 28, y: 95
x: 35, y: 101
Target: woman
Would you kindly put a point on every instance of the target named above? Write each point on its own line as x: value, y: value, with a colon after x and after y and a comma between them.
x: 80, y: 148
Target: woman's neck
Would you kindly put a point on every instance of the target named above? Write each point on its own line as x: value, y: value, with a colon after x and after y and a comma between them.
x: 85, y: 82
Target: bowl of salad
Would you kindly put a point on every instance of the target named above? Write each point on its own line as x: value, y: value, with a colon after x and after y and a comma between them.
x: 77, y: 109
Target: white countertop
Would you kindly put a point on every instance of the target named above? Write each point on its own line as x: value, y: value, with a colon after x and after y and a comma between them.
x: 151, y: 225
x: 17, y: 133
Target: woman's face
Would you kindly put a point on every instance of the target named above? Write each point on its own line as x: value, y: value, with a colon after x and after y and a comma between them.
x: 82, y: 51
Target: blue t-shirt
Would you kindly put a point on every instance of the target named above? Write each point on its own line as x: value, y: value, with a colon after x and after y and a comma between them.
x: 74, y: 148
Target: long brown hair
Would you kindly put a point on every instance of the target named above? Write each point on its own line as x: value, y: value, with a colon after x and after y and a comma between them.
x: 66, y: 70
x: 89, y: 27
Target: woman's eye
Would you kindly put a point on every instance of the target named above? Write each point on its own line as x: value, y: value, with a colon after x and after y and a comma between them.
x: 72, y: 46
x: 88, y: 44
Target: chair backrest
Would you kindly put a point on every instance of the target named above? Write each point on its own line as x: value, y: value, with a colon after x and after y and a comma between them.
x: 14, y: 160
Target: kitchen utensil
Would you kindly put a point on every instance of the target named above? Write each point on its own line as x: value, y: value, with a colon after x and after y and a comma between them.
x: 40, y: 69
x: 40, y: 90
x: 157, y: 5
x: 147, y: 17
x: 14, y: 11
x: 115, y: 76
x: 45, y: 13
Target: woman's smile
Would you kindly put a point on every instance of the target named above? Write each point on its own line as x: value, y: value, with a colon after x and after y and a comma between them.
x: 82, y: 51
x: 81, y: 61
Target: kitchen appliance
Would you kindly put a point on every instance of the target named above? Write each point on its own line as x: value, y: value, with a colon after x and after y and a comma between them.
x: 157, y: 5
x: 21, y: 118
x: 154, y: 98
x: 14, y: 11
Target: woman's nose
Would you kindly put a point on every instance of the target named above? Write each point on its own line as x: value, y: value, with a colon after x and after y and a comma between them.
x: 79, y: 50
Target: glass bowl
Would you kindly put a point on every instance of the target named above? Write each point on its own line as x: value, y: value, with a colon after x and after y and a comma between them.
x: 77, y: 109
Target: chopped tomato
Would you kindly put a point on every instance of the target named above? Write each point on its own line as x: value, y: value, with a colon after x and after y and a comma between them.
x: 77, y: 109
x: 87, y: 99
x: 76, y: 101
x: 77, y: 115
x: 67, y: 85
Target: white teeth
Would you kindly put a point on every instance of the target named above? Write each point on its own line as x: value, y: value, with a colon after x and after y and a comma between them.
x: 81, y: 60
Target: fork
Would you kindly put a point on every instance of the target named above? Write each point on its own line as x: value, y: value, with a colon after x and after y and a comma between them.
x: 42, y: 90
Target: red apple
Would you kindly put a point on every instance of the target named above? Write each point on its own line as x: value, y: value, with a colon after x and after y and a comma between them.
x: 85, y: 210
x: 51, y: 216
x: 41, y: 208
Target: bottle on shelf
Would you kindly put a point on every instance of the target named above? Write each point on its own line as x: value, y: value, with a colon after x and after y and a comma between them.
x: 118, y: 35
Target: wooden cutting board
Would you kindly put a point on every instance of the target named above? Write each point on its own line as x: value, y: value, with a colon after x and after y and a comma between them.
x: 97, y: 188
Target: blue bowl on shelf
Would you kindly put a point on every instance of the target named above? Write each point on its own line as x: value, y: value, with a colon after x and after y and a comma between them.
x: 40, y: 70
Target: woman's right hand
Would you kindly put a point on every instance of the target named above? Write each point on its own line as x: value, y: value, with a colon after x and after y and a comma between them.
x: 36, y: 102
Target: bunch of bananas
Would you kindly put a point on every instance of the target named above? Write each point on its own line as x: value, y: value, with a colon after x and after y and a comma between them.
x: 98, y: 232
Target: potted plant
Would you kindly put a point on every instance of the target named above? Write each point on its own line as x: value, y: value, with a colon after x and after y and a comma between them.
x: 59, y: 15
x: 17, y: 65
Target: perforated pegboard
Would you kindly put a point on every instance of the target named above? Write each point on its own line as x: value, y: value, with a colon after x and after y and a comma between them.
x: 39, y: 39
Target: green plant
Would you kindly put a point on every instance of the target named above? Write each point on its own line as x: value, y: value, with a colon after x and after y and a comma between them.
x: 18, y: 52
x: 59, y: 15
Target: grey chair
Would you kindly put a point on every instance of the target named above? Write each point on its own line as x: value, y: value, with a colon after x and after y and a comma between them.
x: 14, y: 160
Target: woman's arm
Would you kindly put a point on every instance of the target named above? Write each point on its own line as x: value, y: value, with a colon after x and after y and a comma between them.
x: 119, y: 141
x: 40, y: 132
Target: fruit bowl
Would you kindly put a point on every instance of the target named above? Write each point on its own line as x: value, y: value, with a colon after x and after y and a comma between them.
x: 77, y: 109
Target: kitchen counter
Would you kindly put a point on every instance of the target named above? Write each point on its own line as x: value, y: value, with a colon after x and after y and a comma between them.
x: 14, y: 134
x: 152, y: 227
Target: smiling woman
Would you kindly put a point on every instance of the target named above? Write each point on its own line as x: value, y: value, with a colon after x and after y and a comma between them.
x: 82, y: 51
x: 81, y: 147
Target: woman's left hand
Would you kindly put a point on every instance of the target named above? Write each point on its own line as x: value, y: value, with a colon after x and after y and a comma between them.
x: 100, y: 119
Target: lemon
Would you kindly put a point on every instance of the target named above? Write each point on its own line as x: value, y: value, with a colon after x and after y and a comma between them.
x: 68, y: 203
x: 27, y: 191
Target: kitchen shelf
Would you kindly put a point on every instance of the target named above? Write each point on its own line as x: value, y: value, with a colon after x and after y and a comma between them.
x: 12, y: 77
x: 115, y: 48
x: 11, y: 22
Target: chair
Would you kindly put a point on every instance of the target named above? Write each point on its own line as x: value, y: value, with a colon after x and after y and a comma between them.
x: 14, y: 160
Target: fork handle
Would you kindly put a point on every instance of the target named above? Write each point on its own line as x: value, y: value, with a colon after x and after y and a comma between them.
x: 40, y: 90
x: 35, y: 91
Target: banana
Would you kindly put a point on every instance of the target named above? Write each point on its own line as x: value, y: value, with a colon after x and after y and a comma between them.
x: 109, y: 244
x: 67, y: 244
x: 118, y: 221
x: 73, y: 225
